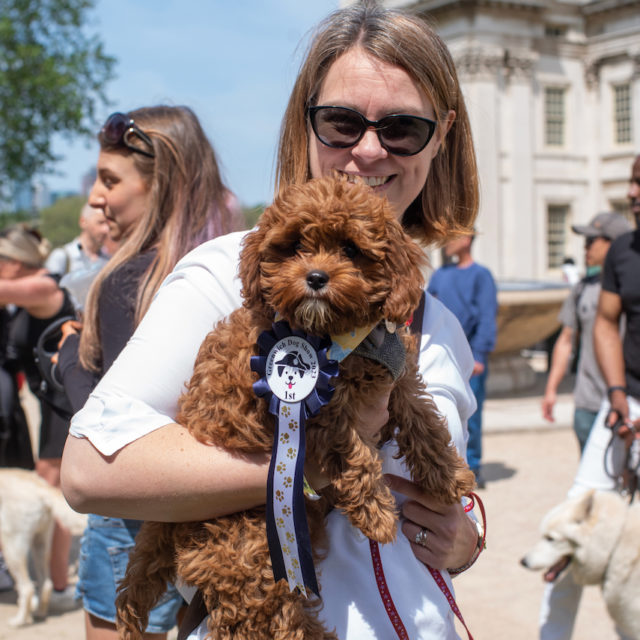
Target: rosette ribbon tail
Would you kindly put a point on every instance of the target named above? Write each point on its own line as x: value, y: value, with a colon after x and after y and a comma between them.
x: 295, y: 378
x: 287, y: 528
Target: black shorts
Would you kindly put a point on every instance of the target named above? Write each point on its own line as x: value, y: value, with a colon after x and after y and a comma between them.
x: 53, y: 432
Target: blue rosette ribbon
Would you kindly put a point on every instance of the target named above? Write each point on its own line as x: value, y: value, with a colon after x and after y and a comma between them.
x: 295, y: 375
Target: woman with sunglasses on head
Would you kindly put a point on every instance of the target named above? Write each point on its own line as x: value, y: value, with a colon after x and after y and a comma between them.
x: 159, y: 187
x: 31, y: 301
x: 377, y: 99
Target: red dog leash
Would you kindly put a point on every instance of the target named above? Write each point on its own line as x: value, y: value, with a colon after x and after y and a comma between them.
x: 383, y: 589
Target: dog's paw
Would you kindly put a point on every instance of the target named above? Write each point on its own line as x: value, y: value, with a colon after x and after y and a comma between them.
x: 20, y: 621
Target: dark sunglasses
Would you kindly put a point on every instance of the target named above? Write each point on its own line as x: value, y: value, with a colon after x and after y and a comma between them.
x: 118, y: 130
x: 341, y: 127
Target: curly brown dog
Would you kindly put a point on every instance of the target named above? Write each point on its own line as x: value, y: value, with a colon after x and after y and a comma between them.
x: 369, y: 271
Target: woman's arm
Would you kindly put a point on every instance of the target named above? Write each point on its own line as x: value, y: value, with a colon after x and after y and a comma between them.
x: 39, y: 294
x: 166, y: 475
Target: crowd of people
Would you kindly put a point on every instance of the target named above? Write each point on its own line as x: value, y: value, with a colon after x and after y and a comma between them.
x: 154, y: 267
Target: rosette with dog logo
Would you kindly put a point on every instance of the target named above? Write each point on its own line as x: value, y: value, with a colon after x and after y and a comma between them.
x: 295, y: 376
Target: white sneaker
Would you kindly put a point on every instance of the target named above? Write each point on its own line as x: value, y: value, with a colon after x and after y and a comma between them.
x: 62, y: 601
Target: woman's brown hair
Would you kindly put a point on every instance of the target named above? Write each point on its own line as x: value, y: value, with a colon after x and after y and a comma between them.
x: 448, y: 204
x: 188, y: 205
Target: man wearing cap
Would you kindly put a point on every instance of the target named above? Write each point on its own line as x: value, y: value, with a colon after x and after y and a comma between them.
x: 577, y: 317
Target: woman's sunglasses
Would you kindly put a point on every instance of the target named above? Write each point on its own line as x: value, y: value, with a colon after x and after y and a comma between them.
x: 341, y: 127
x: 118, y: 130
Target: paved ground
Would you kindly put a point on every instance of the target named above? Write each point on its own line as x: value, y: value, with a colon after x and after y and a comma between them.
x: 528, y: 467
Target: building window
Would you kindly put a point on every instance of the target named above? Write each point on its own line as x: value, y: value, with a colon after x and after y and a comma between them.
x: 624, y: 208
x: 554, y: 116
x: 557, y: 216
x: 554, y: 31
x: 622, y: 113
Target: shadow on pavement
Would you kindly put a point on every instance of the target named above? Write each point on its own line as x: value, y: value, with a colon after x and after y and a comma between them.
x: 494, y: 471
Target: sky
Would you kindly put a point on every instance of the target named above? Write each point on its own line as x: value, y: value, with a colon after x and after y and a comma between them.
x: 232, y: 61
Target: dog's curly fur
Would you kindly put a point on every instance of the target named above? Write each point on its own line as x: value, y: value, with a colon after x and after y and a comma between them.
x: 373, y: 271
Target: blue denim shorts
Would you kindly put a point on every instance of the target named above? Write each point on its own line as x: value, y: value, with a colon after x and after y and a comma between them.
x: 104, y: 553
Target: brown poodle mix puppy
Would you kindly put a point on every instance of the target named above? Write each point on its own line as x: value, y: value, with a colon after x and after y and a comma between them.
x: 371, y: 272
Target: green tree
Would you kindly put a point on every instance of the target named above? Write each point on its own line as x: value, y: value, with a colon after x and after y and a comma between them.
x: 59, y: 222
x: 52, y: 78
x: 251, y: 214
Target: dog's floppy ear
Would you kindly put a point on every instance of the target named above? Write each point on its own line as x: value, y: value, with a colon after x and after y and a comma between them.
x: 403, y: 261
x: 250, y: 259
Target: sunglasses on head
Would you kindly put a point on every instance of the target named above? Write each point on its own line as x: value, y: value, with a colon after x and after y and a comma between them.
x: 119, y: 129
x: 341, y: 127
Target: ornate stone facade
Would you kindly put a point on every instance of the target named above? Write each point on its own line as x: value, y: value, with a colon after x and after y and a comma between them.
x: 527, y: 66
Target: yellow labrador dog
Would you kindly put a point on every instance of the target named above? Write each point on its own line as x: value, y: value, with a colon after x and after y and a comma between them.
x: 596, y: 535
x: 28, y: 508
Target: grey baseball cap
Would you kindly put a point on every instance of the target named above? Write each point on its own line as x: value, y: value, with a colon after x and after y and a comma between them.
x: 606, y: 225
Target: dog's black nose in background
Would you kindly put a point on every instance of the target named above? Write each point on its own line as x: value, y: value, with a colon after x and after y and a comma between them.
x: 317, y: 279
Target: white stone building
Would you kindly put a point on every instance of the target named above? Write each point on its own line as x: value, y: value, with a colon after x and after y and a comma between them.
x: 553, y: 92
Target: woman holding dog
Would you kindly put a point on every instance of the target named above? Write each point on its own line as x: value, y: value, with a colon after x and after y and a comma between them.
x: 159, y: 187
x: 377, y: 99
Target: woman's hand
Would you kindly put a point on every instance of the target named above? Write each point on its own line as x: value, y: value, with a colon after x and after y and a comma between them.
x: 70, y: 327
x: 451, y: 537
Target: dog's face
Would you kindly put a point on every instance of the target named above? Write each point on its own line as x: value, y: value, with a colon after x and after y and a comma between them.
x: 330, y: 256
x: 554, y: 551
x: 572, y: 532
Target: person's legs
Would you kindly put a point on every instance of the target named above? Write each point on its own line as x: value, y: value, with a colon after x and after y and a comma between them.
x: 474, y: 445
x: 104, y: 555
x: 49, y: 469
x: 559, y: 607
x: 583, y: 420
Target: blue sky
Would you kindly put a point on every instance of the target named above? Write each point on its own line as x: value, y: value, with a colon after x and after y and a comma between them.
x: 232, y: 61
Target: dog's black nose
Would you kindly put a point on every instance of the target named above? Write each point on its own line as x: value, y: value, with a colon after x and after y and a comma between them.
x: 317, y: 279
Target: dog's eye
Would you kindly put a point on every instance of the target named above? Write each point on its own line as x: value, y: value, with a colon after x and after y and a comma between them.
x: 350, y: 250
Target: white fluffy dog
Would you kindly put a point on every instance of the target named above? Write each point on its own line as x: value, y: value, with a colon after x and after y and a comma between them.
x: 28, y: 509
x: 597, y: 535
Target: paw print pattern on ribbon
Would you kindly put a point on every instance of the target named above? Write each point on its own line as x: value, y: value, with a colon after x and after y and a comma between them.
x: 286, y: 511
x: 293, y: 425
x: 286, y: 411
x: 280, y: 522
x: 280, y: 467
x: 291, y: 453
x: 287, y: 482
x: 290, y: 537
x: 279, y: 495
x: 286, y: 549
x: 284, y: 438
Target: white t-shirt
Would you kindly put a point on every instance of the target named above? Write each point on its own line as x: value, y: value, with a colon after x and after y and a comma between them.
x: 140, y: 393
